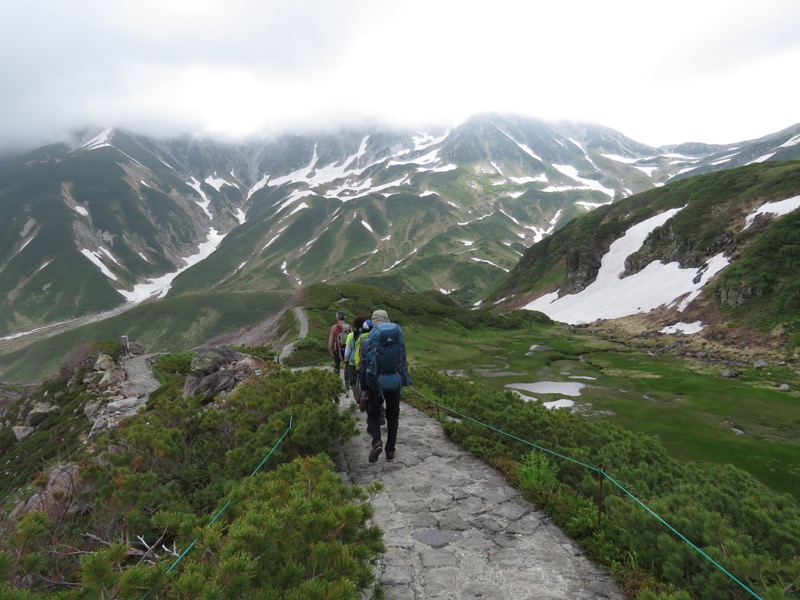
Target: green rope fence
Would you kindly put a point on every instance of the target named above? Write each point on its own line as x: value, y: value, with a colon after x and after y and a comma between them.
x: 224, y: 508
x: 601, y: 472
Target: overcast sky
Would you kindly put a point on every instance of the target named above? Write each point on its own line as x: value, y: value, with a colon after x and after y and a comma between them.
x: 715, y: 71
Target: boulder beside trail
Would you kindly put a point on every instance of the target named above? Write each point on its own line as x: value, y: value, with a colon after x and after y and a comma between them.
x: 217, y: 369
x: 209, y: 386
x: 209, y: 359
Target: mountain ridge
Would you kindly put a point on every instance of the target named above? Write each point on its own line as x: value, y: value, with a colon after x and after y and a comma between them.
x: 449, y: 209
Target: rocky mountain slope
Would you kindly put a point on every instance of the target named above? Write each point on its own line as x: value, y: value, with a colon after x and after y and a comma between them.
x: 713, y: 249
x: 115, y: 217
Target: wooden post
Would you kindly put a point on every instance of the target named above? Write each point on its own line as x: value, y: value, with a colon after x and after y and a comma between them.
x: 602, y: 476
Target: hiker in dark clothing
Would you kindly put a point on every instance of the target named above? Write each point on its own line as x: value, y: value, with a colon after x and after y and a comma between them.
x: 382, y: 376
x: 337, y: 341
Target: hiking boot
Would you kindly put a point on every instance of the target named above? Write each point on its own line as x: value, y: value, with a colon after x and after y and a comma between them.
x: 389, y: 455
x: 375, y: 452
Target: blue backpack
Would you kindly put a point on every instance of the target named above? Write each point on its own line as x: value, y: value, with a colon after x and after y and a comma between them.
x: 385, y: 358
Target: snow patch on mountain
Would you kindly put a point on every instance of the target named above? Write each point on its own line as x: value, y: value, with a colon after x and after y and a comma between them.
x: 724, y: 159
x: 314, y: 176
x: 526, y: 149
x: 425, y: 140
x: 511, y: 217
x: 397, y: 262
x: 94, y: 256
x: 372, y: 190
x: 482, y: 260
x: 588, y: 184
x: 205, y: 202
x: 350, y: 191
x: 101, y: 140
x: 217, y: 182
x: 106, y: 251
x: 294, y: 197
x: 426, y: 159
x: 540, y: 233
x: 791, y: 142
x: 623, y: 159
x: 647, y: 170
x: 760, y: 159
x: 685, y: 328
x: 442, y: 169
x: 610, y: 296
x: 299, y: 207
x: 273, y: 238
x: 779, y: 208
x: 261, y: 183
x: 542, y: 178
x: 158, y: 287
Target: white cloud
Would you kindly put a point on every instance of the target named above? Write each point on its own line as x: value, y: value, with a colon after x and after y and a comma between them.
x: 660, y: 74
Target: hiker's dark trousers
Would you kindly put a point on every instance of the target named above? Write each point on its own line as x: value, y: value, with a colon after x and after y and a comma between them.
x: 338, y: 357
x: 374, y: 403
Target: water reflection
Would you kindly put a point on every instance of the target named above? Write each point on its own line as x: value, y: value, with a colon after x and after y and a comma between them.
x: 566, y: 388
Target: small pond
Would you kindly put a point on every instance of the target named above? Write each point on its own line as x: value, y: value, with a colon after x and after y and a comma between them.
x: 564, y: 388
x: 563, y: 403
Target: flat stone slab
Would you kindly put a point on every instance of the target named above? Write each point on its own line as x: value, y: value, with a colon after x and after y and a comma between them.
x: 436, y: 538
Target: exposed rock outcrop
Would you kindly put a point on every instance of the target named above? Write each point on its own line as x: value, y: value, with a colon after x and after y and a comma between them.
x: 739, y: 295
x: 60, y: 496
x: 210, y: 386
x: 217, y: 370
x: 210, y: 359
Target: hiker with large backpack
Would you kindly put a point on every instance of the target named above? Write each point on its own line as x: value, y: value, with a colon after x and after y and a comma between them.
x: 382, y: 375
x: 337, y: 341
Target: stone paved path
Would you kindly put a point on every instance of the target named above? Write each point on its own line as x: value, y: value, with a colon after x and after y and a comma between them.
x: 141, y: 381
x: 454, y: 529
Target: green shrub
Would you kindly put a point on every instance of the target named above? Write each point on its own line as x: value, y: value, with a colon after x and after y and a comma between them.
x: 538, y: 476
x: 111, y: 347
x: 173, y: 364
x: 309, y: 351
x: 163, y: 476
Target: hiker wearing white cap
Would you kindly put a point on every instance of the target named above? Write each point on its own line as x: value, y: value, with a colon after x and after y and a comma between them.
x: 383, y: 374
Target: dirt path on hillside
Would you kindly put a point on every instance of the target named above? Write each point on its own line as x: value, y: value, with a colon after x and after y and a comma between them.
x: 303, y: 319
